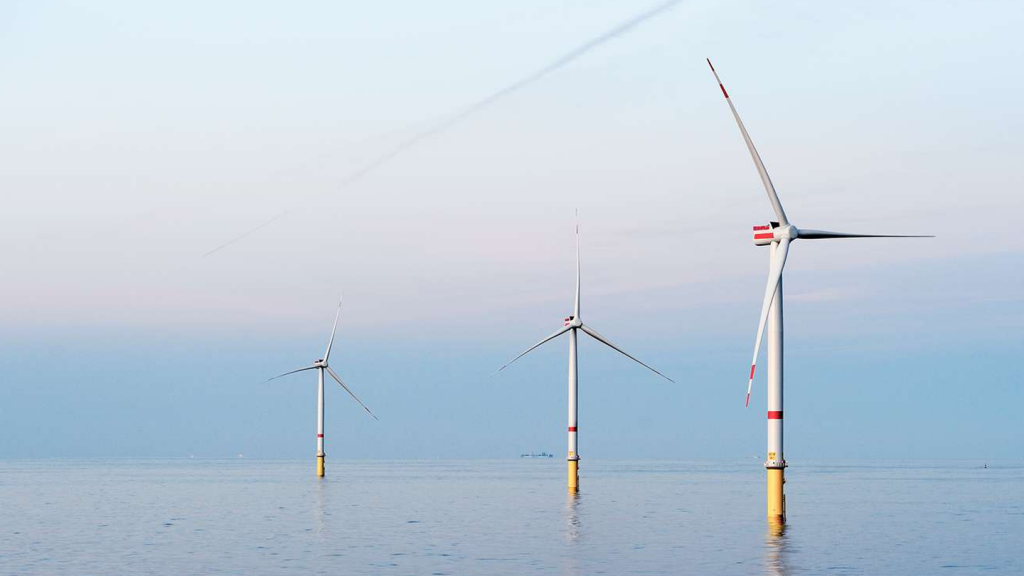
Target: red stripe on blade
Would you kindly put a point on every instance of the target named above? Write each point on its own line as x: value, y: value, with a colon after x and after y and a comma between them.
x: 748, y: 401
x: 723, y: 91
x: 765, y: 236
x: 709, y: 64
x: 752, y: 371
x: 775, y: 414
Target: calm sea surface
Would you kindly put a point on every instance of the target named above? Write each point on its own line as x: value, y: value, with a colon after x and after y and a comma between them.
x: 505, y: 517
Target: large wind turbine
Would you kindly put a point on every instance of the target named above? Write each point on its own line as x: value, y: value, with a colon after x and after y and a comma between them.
x: 571, y: 325
x: 321, y: 366
x: 778, y: 235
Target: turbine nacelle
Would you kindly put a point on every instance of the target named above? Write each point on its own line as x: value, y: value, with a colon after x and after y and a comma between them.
x: 773, y: 232
x: 320, y: 363
x: 572, y: 322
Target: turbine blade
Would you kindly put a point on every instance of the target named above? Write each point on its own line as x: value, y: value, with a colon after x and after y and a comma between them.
x: 531, y: 348
x: 593, y: 334
x: 576, y: 304
x: 335, y: 376
x: 287, y: 373
x: 824, y: 234
x: 761, y: 170
x: 333, y: 331
x: 774, y: 275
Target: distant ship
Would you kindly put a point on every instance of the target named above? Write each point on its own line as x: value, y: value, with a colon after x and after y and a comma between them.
x: 535, y: 455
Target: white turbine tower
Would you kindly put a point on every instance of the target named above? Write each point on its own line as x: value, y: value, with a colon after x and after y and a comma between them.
x: 321, y: 366
x: 778, y: 235
x: 571, y: 325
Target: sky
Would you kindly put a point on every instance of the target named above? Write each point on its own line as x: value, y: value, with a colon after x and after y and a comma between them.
x: 137, y: 138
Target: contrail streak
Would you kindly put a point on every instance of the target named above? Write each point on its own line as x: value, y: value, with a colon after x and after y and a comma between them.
x: 481, y: 104
x: 237, y: 238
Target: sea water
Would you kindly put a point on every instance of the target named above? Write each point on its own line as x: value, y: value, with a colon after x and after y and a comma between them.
x: 481, y: 517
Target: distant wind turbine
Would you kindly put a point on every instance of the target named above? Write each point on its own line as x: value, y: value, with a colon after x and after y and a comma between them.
x: 571, y: 325
x: 321, y: 366
x: 778, y: 235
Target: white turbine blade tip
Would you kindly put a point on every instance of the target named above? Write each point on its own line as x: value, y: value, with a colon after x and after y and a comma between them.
x: 352, y: 394
x: 593, y: 334
x: 558, y: 333
x: 334, y: 331
x: 287, y: 373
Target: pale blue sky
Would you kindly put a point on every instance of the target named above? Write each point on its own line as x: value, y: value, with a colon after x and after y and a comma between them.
x: 137, y: 137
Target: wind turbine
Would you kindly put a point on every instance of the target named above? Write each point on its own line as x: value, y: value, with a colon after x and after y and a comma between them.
x: 778, y: 235
x: 321, y: 367
x: 571, y: 325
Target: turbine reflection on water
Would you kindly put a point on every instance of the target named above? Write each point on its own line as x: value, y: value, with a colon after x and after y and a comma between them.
x: 573, y: 535
x: 320, y: 513
x: 572, y: 517
x: 776, y: 549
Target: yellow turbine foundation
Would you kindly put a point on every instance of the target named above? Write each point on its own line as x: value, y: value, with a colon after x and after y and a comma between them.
x: 574, y: 475
x: 776, y: 497
x: 320, y: 466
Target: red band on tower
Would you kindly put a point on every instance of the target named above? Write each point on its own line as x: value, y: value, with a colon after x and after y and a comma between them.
x: 319, y: 435
x: 775, y: 414
x: 572, y: 428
